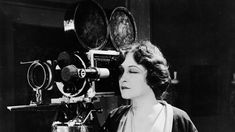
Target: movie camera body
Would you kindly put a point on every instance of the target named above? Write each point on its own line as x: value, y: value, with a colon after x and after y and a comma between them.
x: 79, y: 77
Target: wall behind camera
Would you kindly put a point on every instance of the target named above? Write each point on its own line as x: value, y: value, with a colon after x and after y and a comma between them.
x: 6, y: 74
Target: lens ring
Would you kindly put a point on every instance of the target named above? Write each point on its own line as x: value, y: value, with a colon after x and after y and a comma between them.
x: 30, y: 75
x: 49, y: 77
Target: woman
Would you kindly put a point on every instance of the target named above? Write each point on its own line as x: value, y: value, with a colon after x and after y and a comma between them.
x: 144, y: 79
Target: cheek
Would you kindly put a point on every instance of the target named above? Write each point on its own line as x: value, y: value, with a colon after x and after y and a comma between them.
x: 142, y: 84
x: 139, y: 81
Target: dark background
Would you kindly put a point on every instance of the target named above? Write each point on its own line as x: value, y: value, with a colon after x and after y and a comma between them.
x: 196, y: 36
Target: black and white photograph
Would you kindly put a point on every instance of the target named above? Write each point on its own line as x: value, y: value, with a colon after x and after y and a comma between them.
x: 117, y: 66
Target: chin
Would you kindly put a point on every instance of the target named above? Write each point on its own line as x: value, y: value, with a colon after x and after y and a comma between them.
x: 126, y: 96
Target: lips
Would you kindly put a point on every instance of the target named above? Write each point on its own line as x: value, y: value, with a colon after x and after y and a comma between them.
x: 124, y: 87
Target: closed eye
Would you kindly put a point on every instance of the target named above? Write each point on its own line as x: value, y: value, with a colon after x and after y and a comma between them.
x: 133, y: 70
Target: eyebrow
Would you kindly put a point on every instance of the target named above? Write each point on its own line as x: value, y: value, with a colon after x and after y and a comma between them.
x: 135, y: 67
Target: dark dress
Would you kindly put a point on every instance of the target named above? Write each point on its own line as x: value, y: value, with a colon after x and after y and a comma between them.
x: 181, y: 120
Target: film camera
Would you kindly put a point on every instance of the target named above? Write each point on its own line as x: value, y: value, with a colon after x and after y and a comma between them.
x: 79, y: 77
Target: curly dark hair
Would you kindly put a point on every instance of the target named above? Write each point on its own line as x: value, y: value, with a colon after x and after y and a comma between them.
x: 150, y: 57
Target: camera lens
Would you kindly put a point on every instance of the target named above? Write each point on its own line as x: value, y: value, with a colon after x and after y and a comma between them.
x: 38, y: 76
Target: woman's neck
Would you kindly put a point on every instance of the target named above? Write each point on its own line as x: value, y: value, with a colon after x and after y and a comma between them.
x: 144, y: 104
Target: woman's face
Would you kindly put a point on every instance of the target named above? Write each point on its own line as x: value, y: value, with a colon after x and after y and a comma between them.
x: 132, y: 82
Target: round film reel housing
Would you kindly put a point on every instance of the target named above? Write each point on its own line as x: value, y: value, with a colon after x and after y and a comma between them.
x: 87, y: 20
x: 122, y: 27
